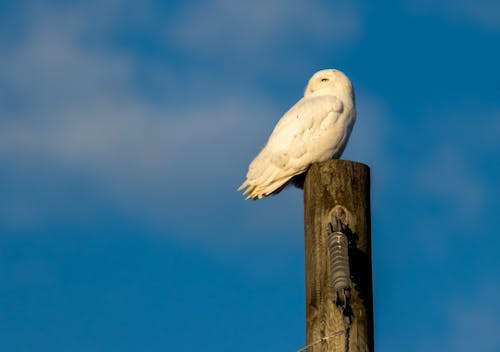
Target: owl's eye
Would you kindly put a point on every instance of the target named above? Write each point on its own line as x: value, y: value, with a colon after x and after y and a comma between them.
x: 324, y: 80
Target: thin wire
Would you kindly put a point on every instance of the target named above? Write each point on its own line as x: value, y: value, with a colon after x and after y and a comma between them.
x: 323, y: 339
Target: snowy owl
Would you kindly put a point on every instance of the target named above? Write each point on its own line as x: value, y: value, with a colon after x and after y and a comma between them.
x: 315, y: 129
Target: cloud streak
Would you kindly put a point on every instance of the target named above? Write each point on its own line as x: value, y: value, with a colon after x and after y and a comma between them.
x: 258, y: 26
x: 485, y: 13
x: 81, y: 118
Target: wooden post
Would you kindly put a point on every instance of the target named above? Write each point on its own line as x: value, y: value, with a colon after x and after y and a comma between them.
x: 327, y: 185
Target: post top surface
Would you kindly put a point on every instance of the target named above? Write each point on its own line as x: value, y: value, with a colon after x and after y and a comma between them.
x: 332, y: 162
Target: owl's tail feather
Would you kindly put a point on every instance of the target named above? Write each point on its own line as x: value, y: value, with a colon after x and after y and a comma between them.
x: 257, y: 191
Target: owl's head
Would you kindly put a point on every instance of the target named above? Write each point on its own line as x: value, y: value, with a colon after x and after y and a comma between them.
x: 329, y: 82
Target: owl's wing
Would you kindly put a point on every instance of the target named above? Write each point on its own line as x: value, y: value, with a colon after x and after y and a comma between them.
x: 307, y: 133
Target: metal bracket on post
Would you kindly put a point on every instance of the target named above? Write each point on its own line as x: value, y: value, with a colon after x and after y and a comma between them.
x: 338, y: 245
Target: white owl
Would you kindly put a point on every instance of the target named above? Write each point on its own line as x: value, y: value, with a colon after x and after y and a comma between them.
x: 315, y: 129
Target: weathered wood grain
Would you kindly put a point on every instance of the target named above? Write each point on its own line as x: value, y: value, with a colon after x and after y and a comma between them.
x: 328, y: 184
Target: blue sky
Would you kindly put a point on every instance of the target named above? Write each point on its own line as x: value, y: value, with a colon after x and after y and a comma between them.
x: 125, y: 128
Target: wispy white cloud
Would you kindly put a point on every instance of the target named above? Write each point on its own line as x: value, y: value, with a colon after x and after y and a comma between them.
x: 452, y: 180
x: 81, y: 111
x: 49, y: 67
x: 458, y: 169
x: 485, y: 13
x: 81, y: 118
x: 259, y: 30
